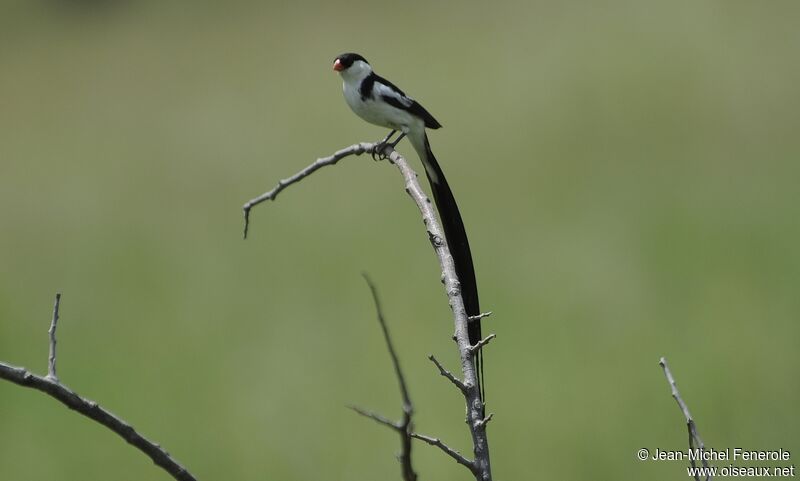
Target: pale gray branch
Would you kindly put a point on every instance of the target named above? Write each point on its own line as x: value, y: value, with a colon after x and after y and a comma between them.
x: 477, y: 347
x: 486, y: 420
x: 449, y: 375
x: 694, y: 437
x: 481, y: 467
x: 480, y: 316
x: 449, y: 451
x: 356, y: 149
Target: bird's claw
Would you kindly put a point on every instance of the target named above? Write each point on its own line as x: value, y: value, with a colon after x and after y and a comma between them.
x: 379, y: 151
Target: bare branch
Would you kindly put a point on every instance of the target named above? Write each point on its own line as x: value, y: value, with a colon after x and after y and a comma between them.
x: 694, y: 437
x: 53, y: 388
x: 51, y: 359
x: 472, y: 395
x: 356, y: 149
x: 94, y: 411
x: 379, y: 418
x: 430, y: 440
x: 477, y: 347
x: 481, y: 467
x: 407, y: 407
x: 480, y: 316
x: 404, y: 427
x: 444, y: 372
x: 449, y: 451
x: 485, y: 421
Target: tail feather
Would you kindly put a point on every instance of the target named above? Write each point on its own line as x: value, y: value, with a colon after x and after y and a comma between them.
x: 458, y: 243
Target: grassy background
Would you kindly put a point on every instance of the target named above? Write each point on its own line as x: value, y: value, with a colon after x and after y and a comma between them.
x: 628, y: 174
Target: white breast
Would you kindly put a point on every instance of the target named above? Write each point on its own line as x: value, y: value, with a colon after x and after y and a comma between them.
x: 377, y: 112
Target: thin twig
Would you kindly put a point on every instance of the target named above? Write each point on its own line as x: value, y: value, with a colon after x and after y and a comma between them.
x: 449, y: 375
x: 404, y: 427
x: 477, y: 347
x: 694, y: 437
x: 485, y: 421
x: 407, y: 407
x: 480, y: 316
x: 449, y: 451
x: 377, y: 417
x: 53, y: 388
x: 430, y: 440
x: 356, y: 149
x: 51, y: 359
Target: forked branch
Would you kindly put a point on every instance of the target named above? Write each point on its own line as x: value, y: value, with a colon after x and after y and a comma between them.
x: 480, y: 466
x: 404, y: 427
x: 51, y: 386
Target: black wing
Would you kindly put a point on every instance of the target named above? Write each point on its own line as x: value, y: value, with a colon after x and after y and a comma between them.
x: 392, y: 95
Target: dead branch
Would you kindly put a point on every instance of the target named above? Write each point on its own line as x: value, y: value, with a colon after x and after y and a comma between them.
x: 51, y: 386
x: 694, y: 437
x: 404, y: 427
x: 480, y: 466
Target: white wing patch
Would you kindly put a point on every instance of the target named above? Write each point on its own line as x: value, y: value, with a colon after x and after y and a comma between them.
x: 385, y: 91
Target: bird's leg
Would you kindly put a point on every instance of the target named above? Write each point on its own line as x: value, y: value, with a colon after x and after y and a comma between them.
x: 393, y: 144
x: 388, y: 137
x: 377, y: 151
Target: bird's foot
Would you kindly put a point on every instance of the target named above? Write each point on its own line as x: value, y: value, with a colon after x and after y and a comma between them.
x: 384, y: 146
x: 379, y: 151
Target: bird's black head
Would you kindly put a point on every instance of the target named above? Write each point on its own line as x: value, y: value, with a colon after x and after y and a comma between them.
x: 345, y: 60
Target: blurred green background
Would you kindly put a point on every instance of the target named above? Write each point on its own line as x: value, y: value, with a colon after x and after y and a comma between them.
x: 629, y: 177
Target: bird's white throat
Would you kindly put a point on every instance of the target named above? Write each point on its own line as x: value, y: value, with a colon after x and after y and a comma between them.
x: 357, y: 72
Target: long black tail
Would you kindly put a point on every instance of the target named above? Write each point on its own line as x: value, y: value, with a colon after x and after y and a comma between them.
x: 459, y: 248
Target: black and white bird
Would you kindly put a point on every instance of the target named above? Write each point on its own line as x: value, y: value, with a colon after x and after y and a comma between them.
x: 380, y: 102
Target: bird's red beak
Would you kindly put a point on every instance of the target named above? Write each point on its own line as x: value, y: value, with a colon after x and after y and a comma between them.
x: 337, y: 65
